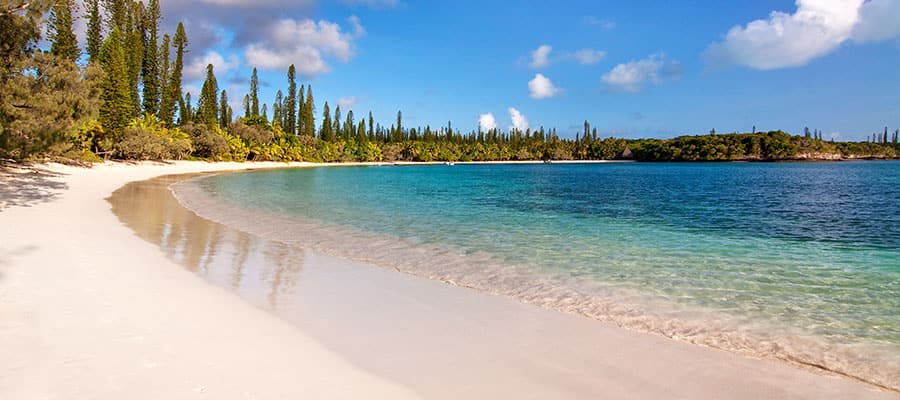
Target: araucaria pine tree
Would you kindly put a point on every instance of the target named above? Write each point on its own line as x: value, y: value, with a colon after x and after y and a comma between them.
x: 207, y: 106
x: 134, y: 49
x: 326, y: 133
x: 94, y: 30
x: 254, y: 95
x: 115, y: 96
x: 172, y: 94
x: 150, y: 76
x: 62, y: 38
x: 301, y: 109
x: 278, y: 110
x: 309, y: 125
x: 224, y: 110
x: 290, y: 103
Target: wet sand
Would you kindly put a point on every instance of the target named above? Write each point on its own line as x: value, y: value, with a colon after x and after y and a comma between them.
x: 446, y: 342
x: 90, y: 311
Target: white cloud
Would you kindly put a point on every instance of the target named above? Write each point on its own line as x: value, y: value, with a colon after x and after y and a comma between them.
x: 632, y: 76
x: 540, y: 57
x: 589, y: 56
x: 487, y: 122
x: 347, y: 102
x: 542, y: 87
x: 878, y: 21
x: 789, y: 40
x: 519, y: 122
x: 197, y: 68
x: 302, y: 43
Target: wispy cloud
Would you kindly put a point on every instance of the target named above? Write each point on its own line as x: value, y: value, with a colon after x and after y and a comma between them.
x: 603, y: 23
x: 589, y: 56
x: 540, y: 57
x: 348, y: 102
x: 372, y: 3
x: 633, y: 76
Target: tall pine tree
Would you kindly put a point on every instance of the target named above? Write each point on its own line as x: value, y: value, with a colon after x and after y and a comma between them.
x: 62, y: 38
x: 325, y: 133
x: 301, y: 110
x: 310, y: 123
x: 134, y: 50
x: 172, y: 93
x: 290, y: 103
x: 207, y: 106
x: 224, y: 110
x: 278, y: 109
x: 94, y: 30
x: 150, y: 75
x: 115, y: 96
x: 254, y: 94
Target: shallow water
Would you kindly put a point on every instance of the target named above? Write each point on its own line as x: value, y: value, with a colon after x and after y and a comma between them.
x: 793, y: 261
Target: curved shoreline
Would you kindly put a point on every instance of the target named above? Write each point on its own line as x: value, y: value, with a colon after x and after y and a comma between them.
x: 713, y: 334
x: 90, y: 311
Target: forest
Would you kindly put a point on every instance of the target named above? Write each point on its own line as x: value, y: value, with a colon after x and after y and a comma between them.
x: 122, y: 97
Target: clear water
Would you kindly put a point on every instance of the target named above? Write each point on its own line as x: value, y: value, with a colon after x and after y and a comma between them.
x: 807, y: 250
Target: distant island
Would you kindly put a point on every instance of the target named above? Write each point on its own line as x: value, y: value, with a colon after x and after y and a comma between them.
x: 123, y: 98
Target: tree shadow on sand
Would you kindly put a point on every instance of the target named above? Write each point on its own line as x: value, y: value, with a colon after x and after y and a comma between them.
x: 27, y: 185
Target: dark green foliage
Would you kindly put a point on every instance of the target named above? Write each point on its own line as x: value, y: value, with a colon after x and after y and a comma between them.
x: 289, y: 109
x: 150, y: 74
x: 94, y: 30
x: 254, y: 95
x: 309, y: 122
x: 172, y: 92
x: 326, y: 133
x: 19, y: 35
x: 208, y: 104
x: 62, y: 38
x: 224, y: 110
x: 134, y: 50
x: 40, y: 110
x: 115, y: 97
x: 117, y: 14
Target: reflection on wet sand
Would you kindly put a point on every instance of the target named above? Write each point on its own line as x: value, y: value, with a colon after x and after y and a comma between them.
x: 261, y: 271
x: 440, y: 341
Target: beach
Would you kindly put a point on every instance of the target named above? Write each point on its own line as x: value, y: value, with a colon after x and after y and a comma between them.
x: 89, y: 309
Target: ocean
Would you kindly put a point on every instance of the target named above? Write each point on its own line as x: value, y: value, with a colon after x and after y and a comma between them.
x: 793, y: 261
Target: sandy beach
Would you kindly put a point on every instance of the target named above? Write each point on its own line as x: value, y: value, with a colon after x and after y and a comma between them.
x: 91, y: 310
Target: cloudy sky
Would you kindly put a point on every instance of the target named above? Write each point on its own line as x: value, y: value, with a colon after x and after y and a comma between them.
x: 636, y: 68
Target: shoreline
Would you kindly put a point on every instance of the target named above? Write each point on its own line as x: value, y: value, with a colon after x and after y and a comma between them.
x: 67, y: 323
x: 631, y: 311
x: 90, y: 311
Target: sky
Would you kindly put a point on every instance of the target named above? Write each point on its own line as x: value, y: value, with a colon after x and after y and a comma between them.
x: 631, y: 68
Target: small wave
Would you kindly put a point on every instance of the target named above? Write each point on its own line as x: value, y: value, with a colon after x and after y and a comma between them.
x: 552, y: 289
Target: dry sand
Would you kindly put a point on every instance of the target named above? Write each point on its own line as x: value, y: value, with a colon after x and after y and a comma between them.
x: 88, y: 310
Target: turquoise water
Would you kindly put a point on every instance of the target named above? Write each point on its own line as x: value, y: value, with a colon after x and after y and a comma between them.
x: 810, y: 248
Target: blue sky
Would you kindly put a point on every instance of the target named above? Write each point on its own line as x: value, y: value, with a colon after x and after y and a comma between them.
x: 634, y: 69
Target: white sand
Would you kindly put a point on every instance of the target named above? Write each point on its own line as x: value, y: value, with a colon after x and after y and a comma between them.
x: 90, y: 311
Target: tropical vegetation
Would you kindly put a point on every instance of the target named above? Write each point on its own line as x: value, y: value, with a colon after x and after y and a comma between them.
x: 123, y: 98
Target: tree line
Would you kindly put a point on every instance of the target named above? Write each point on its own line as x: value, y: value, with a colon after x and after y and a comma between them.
x: 122, y: 97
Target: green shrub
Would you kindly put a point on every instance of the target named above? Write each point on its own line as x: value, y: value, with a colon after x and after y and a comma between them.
x: 144, y: 139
